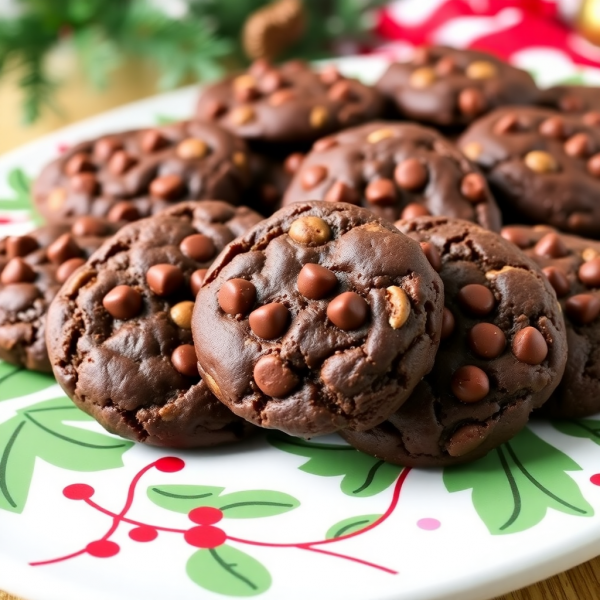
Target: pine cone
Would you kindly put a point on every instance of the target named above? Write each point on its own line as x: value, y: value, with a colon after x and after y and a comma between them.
x: 271, y: 30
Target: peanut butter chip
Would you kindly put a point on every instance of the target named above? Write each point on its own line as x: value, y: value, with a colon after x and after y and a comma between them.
x: 589, y: 254
x: 540, y: 161
x: 57, y: 198
x: 398, y: 306
x: 378, y: 135
x: 192, y: 148
x: 311, y: 231
x: 472, y: 150
x: 481, y: 69
x: 318, y: 117
x: 239, y: 160
x: 242, y: 115
x: 181, y: 314
x: 422, y: 77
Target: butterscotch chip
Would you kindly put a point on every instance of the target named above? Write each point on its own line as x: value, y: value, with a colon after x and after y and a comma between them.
x: 242, y: 115
x: 481, y: 69
x: 318, y: 117
x: 422, y: 78
x: 312, y: 231
x: 379, y: 134
x: 192, y: 148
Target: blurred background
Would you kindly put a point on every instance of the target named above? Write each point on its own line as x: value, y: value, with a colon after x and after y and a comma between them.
x: 63, y: 60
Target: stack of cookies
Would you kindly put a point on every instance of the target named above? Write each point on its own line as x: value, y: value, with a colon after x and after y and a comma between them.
x: 418, y: 285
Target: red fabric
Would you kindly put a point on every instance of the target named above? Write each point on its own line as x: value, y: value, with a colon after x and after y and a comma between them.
x: 502, y: 27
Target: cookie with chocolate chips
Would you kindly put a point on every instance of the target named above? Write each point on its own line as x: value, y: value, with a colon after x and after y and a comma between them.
x: 395, y: 170
x: 572, y: 266
x: 135, y: 174
x: 321, y: 318
x: 450, y: 87
x: 288, y: 104
x: 581, y: 100
x: 32, y: 269
x: 119, y: 331
x: 543, y: 167
x: 502, y: 353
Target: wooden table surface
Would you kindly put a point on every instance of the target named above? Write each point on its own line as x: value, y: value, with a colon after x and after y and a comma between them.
x: 580, y: 583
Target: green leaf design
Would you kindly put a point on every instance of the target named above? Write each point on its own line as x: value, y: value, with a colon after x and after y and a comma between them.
x: 20, y: 184
x: 183, y: 498
x: 250, y: 504
x: 228, y: 571
x: 40, y: 431
x: 350, y: 525
x: 16, y: 381
x: 581, y: 428
x: 577, y: 78
x: 165, y: 119
x: 253, y: 504
x: 515, y: 484
x: 363, y: 475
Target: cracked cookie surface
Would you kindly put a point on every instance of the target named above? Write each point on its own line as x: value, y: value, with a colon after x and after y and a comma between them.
x: 119, y: 332
x: 572, y: 265
x: 322, y: 317
x: 502, y: 353
x: 396, y: 170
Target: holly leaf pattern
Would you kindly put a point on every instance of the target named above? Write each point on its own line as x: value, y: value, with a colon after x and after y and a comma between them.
x: 16, y: 381
x: 228, y: 571
x: 350, y: 525
x: 40, y: 431
x: 515, y: 484
x: 250, y: 504
x: 165, y: 119
x: 20, y: 184
x: 362, y: 475
x: 581, y: 428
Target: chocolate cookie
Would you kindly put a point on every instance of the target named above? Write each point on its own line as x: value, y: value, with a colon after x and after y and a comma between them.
x: 270, y: 179
x: 321, y: 318
x: 450, y: 87
x: 119, y: 331
x: 33, y: 267
x: 576, y: 99
x: 396, y: 170
x: 502, y: 353
x: 572, y: 265
x: 127, y: 176
x: 542, y: 167
x: 289, y: 104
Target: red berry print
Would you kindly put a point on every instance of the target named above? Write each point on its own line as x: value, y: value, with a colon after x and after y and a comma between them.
x: 205, y: 536
x: 78, y: 491
x: 595, y: 479
x: 102, y: 548
x: 205, y: 515
x: 143, y: 533
x: 169, y: 464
